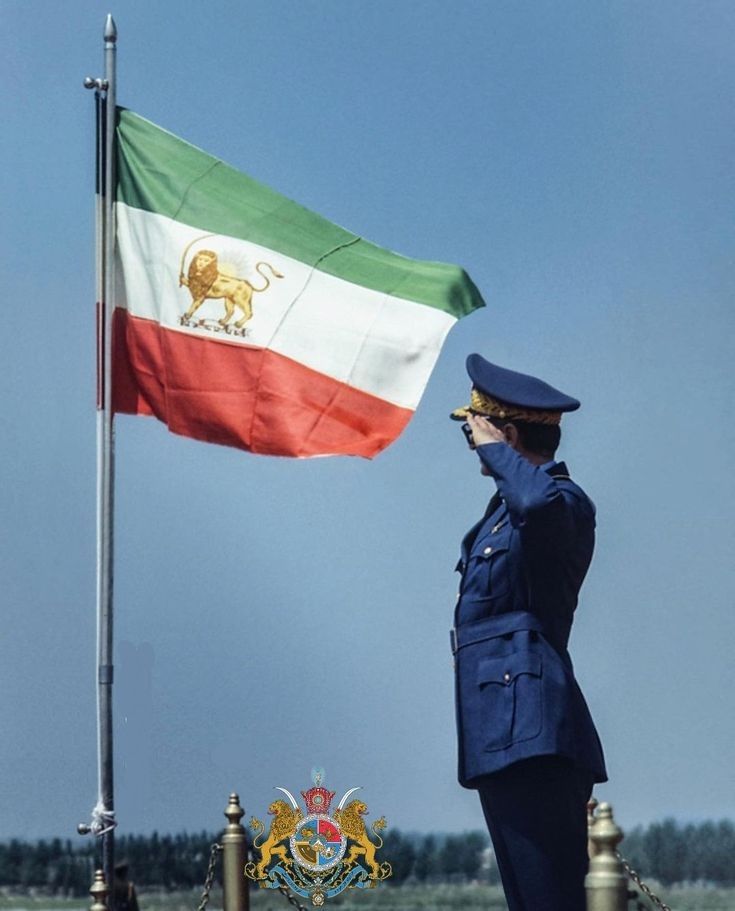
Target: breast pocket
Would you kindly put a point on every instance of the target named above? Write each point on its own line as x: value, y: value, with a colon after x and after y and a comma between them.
x: 489, y: 566
x: 510, y: 699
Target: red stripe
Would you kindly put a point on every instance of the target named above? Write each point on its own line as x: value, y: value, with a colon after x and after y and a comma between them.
x: 251, y: 398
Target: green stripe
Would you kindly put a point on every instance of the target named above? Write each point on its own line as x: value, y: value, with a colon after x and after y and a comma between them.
x: 159, y: 172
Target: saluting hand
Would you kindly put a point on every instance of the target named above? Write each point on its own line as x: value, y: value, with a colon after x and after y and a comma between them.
x: 483, y: 431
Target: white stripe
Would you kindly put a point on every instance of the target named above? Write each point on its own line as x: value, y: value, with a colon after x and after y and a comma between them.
x: 370, y: 340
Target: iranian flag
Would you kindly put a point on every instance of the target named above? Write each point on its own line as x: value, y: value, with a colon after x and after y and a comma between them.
x: 244, y: 319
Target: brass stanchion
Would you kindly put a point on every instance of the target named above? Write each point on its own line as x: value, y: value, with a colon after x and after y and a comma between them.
x: 606, y: 882
x: 99, y: 892
x: 235, y: 894
x: 591, y: 807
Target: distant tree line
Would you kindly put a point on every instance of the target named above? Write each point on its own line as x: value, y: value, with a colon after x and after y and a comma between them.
x: 435, y: 858
x: 673, y: 852
x: 667, y: 851
x: 179, y: 862
x: 63, y: 867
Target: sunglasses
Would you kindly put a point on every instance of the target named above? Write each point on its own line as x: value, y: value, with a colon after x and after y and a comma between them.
x: 467, y: 431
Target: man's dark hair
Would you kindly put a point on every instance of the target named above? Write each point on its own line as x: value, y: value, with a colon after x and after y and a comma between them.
x: 541, y: 439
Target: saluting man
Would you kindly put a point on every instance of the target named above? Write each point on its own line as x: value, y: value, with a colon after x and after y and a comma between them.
x: 527, y: 742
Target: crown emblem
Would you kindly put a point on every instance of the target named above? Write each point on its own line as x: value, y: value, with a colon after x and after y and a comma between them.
x: 318, y: 798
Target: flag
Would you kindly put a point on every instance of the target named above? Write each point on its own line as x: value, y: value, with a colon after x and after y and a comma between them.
x: 244, y: 319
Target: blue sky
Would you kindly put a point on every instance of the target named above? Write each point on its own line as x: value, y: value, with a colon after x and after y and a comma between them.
x: 576, y: 159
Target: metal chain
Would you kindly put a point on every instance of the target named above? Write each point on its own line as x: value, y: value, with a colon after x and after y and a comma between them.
x: 290, y: 898
x: 641, y: 885
x: 215, y: 851
x: 209, y: 878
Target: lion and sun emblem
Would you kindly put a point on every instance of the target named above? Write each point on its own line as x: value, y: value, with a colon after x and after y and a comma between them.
x: 210, y: 277
x: 313, y: 853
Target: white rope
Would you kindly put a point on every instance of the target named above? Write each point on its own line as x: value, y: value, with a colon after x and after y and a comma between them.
x: 102, y: 820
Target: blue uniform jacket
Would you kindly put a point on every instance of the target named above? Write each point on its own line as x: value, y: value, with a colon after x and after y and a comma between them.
x: 522, y: 567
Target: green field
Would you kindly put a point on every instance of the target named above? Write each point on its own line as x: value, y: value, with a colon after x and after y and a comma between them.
x: 386, y: 898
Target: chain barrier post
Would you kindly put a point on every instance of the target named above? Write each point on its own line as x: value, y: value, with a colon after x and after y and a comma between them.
x: 99, y: 892
x: 235, y: 894
x: 606, y: 882
x: 592, y: 804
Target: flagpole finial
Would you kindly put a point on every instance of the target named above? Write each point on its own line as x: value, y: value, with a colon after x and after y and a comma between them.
x: 110, y: 28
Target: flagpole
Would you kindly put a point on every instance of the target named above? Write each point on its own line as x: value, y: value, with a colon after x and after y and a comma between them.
x: 106, y: 481
x: 103, y: 815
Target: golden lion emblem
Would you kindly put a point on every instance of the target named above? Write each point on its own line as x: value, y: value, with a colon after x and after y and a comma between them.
x: 205, y: 281
x: 352, y: 825
x: 283, y: 826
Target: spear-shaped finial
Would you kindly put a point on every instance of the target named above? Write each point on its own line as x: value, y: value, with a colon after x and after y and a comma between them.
x: 110, y: 29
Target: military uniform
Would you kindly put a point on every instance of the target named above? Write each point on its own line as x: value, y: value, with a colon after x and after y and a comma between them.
x: 526, y: 739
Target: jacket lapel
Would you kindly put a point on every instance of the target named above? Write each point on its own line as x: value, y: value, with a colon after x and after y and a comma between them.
x: 496, y: 502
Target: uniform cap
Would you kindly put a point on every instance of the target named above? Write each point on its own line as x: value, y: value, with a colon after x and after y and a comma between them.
x: 499, y: 392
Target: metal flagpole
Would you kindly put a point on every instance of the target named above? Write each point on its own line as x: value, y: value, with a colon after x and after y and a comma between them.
x: 103, y: 815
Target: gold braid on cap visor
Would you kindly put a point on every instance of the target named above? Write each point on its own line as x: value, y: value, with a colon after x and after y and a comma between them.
x: 486, y: 405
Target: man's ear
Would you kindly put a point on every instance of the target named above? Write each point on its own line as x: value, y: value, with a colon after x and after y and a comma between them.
x: 510, y: 432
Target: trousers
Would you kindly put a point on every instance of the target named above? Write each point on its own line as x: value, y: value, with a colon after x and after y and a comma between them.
x: 536, y: 813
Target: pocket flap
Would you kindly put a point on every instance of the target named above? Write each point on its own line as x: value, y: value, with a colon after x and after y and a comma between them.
x: 505, y: 670
x: 491, y: 544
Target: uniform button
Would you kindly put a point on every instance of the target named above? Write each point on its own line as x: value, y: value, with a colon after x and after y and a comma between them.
x: 487, y: 551
x: 506, y: 677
